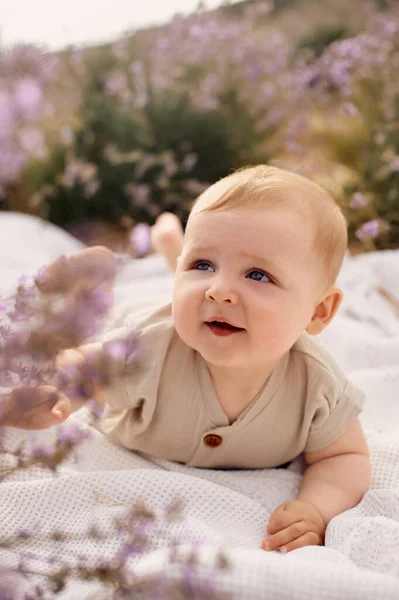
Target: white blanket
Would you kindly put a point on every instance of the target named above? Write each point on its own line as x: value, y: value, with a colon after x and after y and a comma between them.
x: 224, y: 509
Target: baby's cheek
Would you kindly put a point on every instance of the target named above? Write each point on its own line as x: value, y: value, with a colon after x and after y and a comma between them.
x: 182, y: 318
x: 275, y: 331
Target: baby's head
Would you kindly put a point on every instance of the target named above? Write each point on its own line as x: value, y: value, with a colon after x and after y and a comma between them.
x: 265, y: 188
x: 262, y: 250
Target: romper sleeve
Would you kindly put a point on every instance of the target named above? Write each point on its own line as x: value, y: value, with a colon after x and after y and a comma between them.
x: 336, y: 406
x: 131, y: 398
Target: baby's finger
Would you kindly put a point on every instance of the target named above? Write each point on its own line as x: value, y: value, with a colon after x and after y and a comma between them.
x: 287, y: 535
x: 62, y: 409
x: 30, y: 407
x: 310, y: 538
x: 285, y: 515
x: 280, y: 519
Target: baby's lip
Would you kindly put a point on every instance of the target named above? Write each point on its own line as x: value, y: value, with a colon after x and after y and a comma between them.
x: 219, y: 319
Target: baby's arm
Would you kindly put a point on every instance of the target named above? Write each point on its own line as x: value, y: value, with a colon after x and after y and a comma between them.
x: 336, y: 480
x: 337, y: 476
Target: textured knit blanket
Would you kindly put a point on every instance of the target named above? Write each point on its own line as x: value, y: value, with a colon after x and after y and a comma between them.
x: 225, y: 510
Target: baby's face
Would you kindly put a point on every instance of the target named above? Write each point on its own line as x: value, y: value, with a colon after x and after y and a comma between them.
x: 256, y: 271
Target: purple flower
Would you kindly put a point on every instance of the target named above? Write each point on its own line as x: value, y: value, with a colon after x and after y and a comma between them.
x: 7, y: 117
x: 116, y: 83
x: 32, y: 141
x: 90, y: 189
x: 42, y: 451
x: 189, y: 161
x: 139, y: 194
x: 359, y: 200
x: 140, y: 239
x: 369, y: 230
x: 71, y: 175
x: 23, y: 280
x: 70, y: 435
x: 350, y: 109
x: 28, y: 97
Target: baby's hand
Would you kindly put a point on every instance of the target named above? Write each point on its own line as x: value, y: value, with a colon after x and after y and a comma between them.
x: 34, y: 408
x: 40, y: 407
x: 91, y: 267
x: 293, y: 525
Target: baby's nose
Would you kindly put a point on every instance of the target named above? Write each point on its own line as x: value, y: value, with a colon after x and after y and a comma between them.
x: 221, y: 295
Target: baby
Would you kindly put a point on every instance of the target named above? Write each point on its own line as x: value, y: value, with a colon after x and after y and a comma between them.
x: 233, y: 376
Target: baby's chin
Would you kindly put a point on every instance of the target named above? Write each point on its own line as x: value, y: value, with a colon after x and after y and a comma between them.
x: 226, y: 360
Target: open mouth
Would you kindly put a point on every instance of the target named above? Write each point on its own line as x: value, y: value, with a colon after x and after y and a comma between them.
x: 222, y: 328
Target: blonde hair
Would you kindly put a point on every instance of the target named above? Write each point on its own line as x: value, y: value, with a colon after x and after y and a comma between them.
x: 264, y: 185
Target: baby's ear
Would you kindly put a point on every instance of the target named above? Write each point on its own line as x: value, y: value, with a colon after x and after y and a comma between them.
x: 325, y: 310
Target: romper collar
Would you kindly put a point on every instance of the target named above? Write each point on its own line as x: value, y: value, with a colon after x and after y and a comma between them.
x: 212, y: 406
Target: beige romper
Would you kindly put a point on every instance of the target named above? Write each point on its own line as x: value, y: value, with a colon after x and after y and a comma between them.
x: 165, y: 405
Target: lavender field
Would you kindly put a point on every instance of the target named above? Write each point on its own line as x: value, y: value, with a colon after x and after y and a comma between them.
x: 122, y: 132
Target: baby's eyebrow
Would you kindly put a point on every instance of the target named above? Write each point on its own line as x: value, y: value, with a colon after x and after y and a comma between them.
x: 262, y: 260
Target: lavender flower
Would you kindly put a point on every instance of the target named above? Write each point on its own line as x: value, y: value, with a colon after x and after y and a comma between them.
x: 7, y: 116
x: 116, y: 83
x: 359, y: 200
x: 369, y: 230
x: 32, y: 142
x: 189, y: 161
x: 28, y: 97
x: 350, y: 109
x: 139, y: 194
x: 91, y: 188
x: 140, y: 239
x: 39, y: 326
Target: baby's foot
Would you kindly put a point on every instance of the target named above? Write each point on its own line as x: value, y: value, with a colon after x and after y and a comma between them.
x: 167, y: 238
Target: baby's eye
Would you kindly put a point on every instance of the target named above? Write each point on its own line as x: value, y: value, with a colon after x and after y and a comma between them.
x: 202, y: 265
x: 257, y: 275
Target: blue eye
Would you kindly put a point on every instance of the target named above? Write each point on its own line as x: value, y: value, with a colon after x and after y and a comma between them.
x: 202, y: 265
x: 257, y: 275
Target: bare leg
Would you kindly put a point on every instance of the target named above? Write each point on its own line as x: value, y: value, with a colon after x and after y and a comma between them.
x: 167, y: 238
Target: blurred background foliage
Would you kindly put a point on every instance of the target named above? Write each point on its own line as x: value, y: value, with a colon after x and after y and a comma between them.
x: 119, y: 133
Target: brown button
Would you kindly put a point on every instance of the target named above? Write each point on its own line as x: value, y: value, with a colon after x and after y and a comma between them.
x: 212, y: 440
